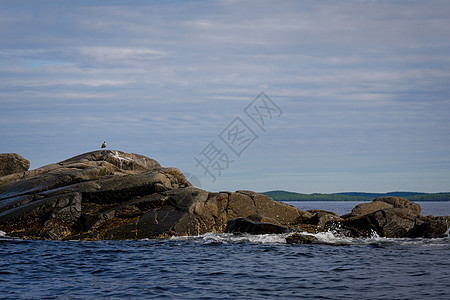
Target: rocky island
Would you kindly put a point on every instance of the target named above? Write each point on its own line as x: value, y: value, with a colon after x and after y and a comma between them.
x: 109, y: 194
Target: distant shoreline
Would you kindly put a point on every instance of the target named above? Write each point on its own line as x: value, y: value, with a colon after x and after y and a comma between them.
x: 327, y: 200
x: 281, y: 195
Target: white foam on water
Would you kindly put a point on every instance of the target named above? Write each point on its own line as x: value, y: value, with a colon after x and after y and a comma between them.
x: 332, y: 237
x: 261, y: 238
x: 208, y: 238
x: 329, y: 237
x: 225, y: 238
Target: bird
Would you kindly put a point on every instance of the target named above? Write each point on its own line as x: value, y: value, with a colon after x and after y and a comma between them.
x: 104, y: 145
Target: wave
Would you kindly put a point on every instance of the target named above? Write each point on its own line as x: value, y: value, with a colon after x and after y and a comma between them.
x: 327, y: 238
x: 224, y: 238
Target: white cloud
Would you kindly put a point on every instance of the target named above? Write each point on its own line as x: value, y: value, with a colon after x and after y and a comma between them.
x: 358, y: 77
x: 115, y: 55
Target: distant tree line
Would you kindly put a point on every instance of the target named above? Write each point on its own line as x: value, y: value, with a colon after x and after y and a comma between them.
x: 354, y: 196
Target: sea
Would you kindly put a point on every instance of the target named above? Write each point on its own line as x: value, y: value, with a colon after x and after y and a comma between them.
x: 226, y: 266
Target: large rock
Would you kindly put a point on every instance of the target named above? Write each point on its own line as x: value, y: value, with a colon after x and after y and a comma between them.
x: 317, y: 219
x: 115, y: 195
x: 246, y: 225
x: 368, y: 208
x: 122, y: 160
x: 12, y: 163
x: 431, y: 227
x: 302, y: 239
x: 299, y: 238
x: 84, y: 167
x: 398, y: 202
x: 183, y: 211
x: 391, y: 217
x: 391, y: 222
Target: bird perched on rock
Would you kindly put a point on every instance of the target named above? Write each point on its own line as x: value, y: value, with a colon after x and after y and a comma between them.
x: 104, y: 145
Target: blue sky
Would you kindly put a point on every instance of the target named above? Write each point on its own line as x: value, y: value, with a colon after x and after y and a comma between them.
x: 362, y: 87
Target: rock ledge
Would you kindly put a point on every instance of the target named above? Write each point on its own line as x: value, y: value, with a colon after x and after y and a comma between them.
x: 110, y: 194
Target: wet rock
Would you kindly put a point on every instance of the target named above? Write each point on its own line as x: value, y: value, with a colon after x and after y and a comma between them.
x: 431, y: 227
x: 391, y: 217
x: 245, y: 225
x: 299, y: 238
x: 318, y: 218
x: 11, y: 163
x: 391, y: 222
x: 302, y: 239
x: 338, y: 230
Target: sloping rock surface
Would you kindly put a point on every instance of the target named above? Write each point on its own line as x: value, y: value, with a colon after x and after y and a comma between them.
x: 115, y: 195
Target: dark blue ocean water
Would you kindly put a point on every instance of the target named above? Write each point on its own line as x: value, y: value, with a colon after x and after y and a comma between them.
x: 225, y: 266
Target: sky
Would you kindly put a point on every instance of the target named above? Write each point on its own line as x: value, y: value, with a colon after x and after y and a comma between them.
x: 304, y: 96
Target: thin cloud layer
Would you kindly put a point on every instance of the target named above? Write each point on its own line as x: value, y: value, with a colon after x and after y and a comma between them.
x: 364, y: 86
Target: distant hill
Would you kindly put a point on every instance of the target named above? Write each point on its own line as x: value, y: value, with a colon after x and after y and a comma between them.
x: 354, y: 196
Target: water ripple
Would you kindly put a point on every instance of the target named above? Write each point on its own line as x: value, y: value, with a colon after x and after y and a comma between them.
x: 224, y: 266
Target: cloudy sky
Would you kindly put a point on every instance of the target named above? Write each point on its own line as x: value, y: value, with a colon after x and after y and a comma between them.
x: 358, y: 92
